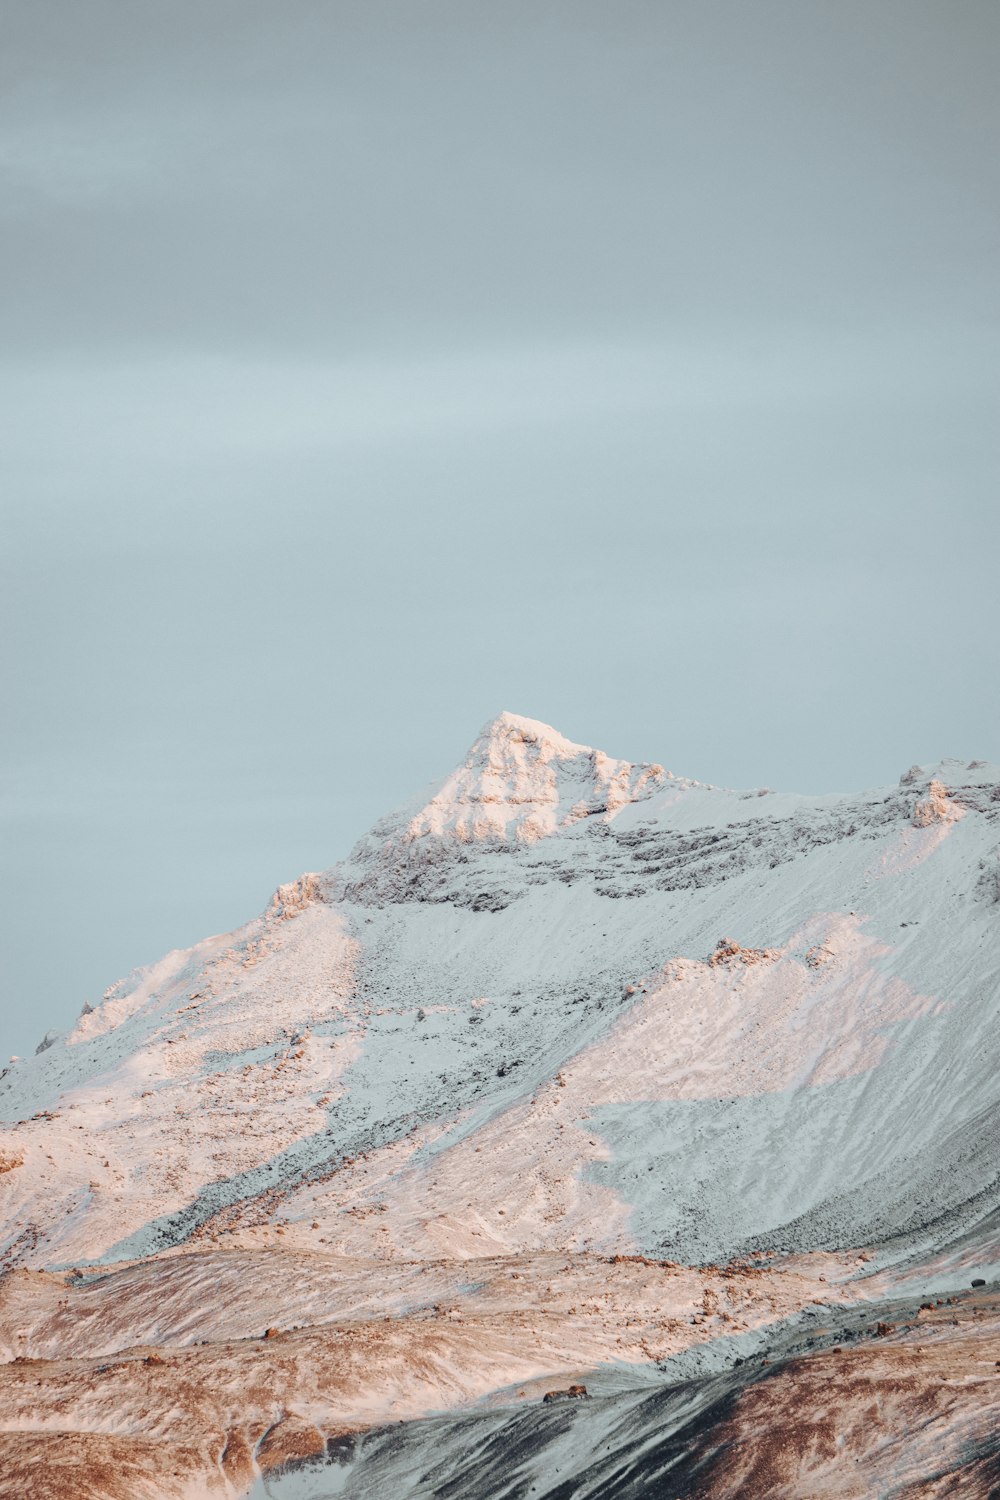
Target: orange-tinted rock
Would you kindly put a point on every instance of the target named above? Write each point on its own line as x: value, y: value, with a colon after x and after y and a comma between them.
x: 290, y: 1441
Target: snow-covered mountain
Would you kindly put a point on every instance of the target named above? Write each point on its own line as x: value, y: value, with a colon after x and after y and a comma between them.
x: 573, y: 1069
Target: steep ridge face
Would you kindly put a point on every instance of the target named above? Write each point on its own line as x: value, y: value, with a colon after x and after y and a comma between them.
x: 573, y: 1066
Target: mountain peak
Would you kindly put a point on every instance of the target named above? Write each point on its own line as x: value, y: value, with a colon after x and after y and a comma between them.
x: 522, y: 780
x: 513, y: 729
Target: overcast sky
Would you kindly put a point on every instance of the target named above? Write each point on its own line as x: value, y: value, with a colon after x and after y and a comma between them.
x: 369, y: 368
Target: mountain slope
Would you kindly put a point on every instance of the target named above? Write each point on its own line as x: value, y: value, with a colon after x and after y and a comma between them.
x: 564, y: 1006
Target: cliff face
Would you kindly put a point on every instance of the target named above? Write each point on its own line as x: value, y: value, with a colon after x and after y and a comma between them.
x: 574, y: 1066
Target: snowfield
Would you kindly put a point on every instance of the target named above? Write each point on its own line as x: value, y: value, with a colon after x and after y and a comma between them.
x: 575, y: 1070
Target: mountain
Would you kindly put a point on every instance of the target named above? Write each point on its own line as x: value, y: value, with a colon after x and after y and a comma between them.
x: 574, y: 1072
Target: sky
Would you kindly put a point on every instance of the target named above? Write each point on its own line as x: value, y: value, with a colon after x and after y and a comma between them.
x: 370, y: 368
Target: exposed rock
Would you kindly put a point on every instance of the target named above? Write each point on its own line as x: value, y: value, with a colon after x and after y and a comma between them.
x: 728, y: 952
x: 988, y: 883
x: 569, y: 1393
x: 289, y: 1441
x: 237, y: 1462
x: 936, y: 807
x: 292, y: 899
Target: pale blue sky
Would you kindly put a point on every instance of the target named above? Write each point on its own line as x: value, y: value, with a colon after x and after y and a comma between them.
x: 370, y: 368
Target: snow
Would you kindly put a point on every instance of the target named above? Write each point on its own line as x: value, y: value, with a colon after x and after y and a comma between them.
x: 504, y: 1029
